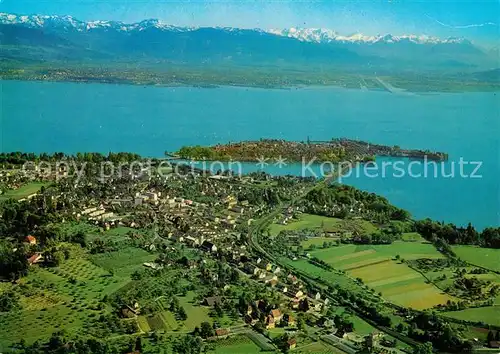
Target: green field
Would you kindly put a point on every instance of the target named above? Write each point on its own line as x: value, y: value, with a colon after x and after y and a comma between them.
x: 361, y: 327
x: 347, y: 256
x: 123, y: 262
x: 196, y: 314
x: 412, y: 237
x: 377, y: 267
x: 23, y: 191
x: 490, y: 315
x: 118, y: 234
x: 483, y: 257
x: 237, y: 344
x: 323, y: 223
x: 143, y: 324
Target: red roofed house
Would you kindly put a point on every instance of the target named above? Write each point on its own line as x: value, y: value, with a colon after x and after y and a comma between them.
x: 222, y: 332
x: 30, y: 239
x: 35, y: 258
x: 276, y: 315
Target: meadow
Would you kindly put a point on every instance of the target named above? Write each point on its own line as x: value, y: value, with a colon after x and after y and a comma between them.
x: 380, y: 269
x: 119, y: 234
x: 123, y: 262
x: 324, y: 224
x: 490, y: 314
x: 483, y: 257
x: 240, y: 344
x: 23, y: 191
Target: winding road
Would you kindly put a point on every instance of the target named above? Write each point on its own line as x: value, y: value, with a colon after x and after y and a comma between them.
x: 260, y: 224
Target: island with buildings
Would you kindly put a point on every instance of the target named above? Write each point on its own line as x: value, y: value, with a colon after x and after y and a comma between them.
x: 335, y: 150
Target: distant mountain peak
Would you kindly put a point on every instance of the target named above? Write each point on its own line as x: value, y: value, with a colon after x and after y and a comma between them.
x: 323, y: 35
x: 69, y: 22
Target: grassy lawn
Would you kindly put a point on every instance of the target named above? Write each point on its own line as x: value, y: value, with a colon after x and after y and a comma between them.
x: 70, y: 228
x: 23, y: 191
x: 123, y: 262
x: 276, y: 332
x: 117, y: 234
x: 360, y: 326
x: 412, y: 237
x: 143, y: 324
x: 484, y: 257
x: 237, y: 344
x: 196, y: 314
x: 326, y: 224
x: 490, y: 314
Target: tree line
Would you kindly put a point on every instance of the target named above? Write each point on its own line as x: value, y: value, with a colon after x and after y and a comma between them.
x: 19, y: 158
x: 454, y: 235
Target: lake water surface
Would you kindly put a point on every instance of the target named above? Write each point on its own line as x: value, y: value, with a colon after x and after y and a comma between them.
x: 69, y: 117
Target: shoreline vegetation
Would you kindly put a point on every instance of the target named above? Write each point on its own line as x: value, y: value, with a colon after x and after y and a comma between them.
x: 173, y: 76
x: 335, y: 150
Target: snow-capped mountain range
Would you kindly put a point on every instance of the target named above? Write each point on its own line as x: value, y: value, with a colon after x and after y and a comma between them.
x: 65, y: 38
x: 322, y: 35
x: 315, y: 35
x: 69, y: 22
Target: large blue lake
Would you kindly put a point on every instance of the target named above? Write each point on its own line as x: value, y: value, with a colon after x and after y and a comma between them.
x: 68, y: 117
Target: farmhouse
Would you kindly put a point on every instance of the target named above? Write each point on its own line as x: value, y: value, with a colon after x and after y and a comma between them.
x: 208, y: 246
x: 292, y: 343
x: 222, y: 332
x: 37, y: 257
x: 30, y: 240
x: 276, y: 313
x: 129, y: 311
x: 294, y: 292
x: 270, y: 323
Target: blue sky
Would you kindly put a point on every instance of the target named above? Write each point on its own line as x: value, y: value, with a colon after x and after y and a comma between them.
x: 476, y: 20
